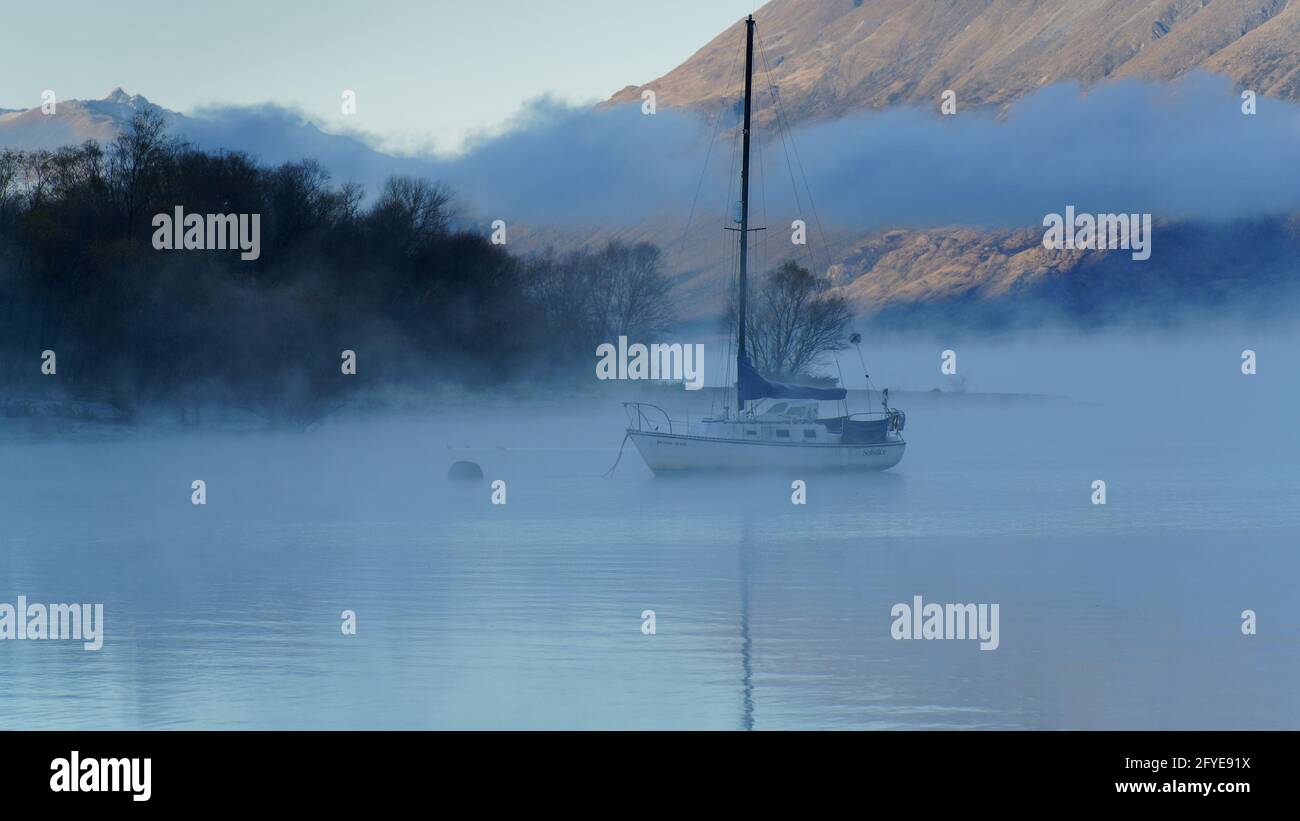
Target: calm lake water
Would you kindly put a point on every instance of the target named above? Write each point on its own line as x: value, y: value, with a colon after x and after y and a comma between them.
x: 768, y: 614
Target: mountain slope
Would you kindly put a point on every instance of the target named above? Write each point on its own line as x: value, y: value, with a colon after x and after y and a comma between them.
x: 829, y: 57
x: 967, y: 276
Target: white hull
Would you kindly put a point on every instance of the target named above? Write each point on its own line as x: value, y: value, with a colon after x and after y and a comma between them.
x: 668, y: 452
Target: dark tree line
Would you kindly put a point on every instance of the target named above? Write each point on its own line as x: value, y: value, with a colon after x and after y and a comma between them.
x: 420, y: 300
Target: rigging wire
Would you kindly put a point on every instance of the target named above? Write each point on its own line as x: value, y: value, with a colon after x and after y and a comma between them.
x: 699, y: 185
x: 732, y: 252
x: 788, y: 145
x: 784, y: 128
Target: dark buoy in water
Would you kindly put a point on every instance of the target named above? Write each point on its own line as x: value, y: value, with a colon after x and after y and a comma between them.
x: 465, y: 472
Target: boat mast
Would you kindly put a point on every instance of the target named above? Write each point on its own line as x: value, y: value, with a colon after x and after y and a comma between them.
x: 744, y: 205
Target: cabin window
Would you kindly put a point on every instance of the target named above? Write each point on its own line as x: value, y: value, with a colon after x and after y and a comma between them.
x: 751, y: 431
x: 810, y: 434
x: 783, y: 434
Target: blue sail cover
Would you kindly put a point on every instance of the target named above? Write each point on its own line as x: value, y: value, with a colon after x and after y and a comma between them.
x: 753, y: 386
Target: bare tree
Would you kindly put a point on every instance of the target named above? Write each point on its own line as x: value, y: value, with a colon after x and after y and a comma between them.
x: 135, y: 161
x: 564, y: 289
x: 599, y: 295
x: 411, y: 211
x: 37, y: 170
x: 638, y: 299
x: 10, y: 165
x: 795, y: 319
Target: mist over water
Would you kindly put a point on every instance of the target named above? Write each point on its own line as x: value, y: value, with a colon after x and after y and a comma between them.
x: 769, y: 615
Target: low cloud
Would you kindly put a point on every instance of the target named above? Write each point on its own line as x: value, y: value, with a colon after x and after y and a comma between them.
x: 1178, y: 151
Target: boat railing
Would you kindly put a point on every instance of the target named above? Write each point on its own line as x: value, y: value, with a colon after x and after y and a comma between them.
x: 896, y: 418
x: 643, y: 415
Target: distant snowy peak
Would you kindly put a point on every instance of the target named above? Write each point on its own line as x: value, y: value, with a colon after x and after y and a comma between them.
x: 114, y: 101
x: 72, y: 121
x: 119, y: 97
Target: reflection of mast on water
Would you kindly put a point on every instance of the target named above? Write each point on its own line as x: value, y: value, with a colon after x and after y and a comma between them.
x: 746, y: 660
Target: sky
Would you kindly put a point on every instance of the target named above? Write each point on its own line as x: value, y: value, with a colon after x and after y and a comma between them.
x: 428, y: 74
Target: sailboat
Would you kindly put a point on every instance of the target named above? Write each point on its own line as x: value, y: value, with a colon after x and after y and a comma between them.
x: 775, y: 426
